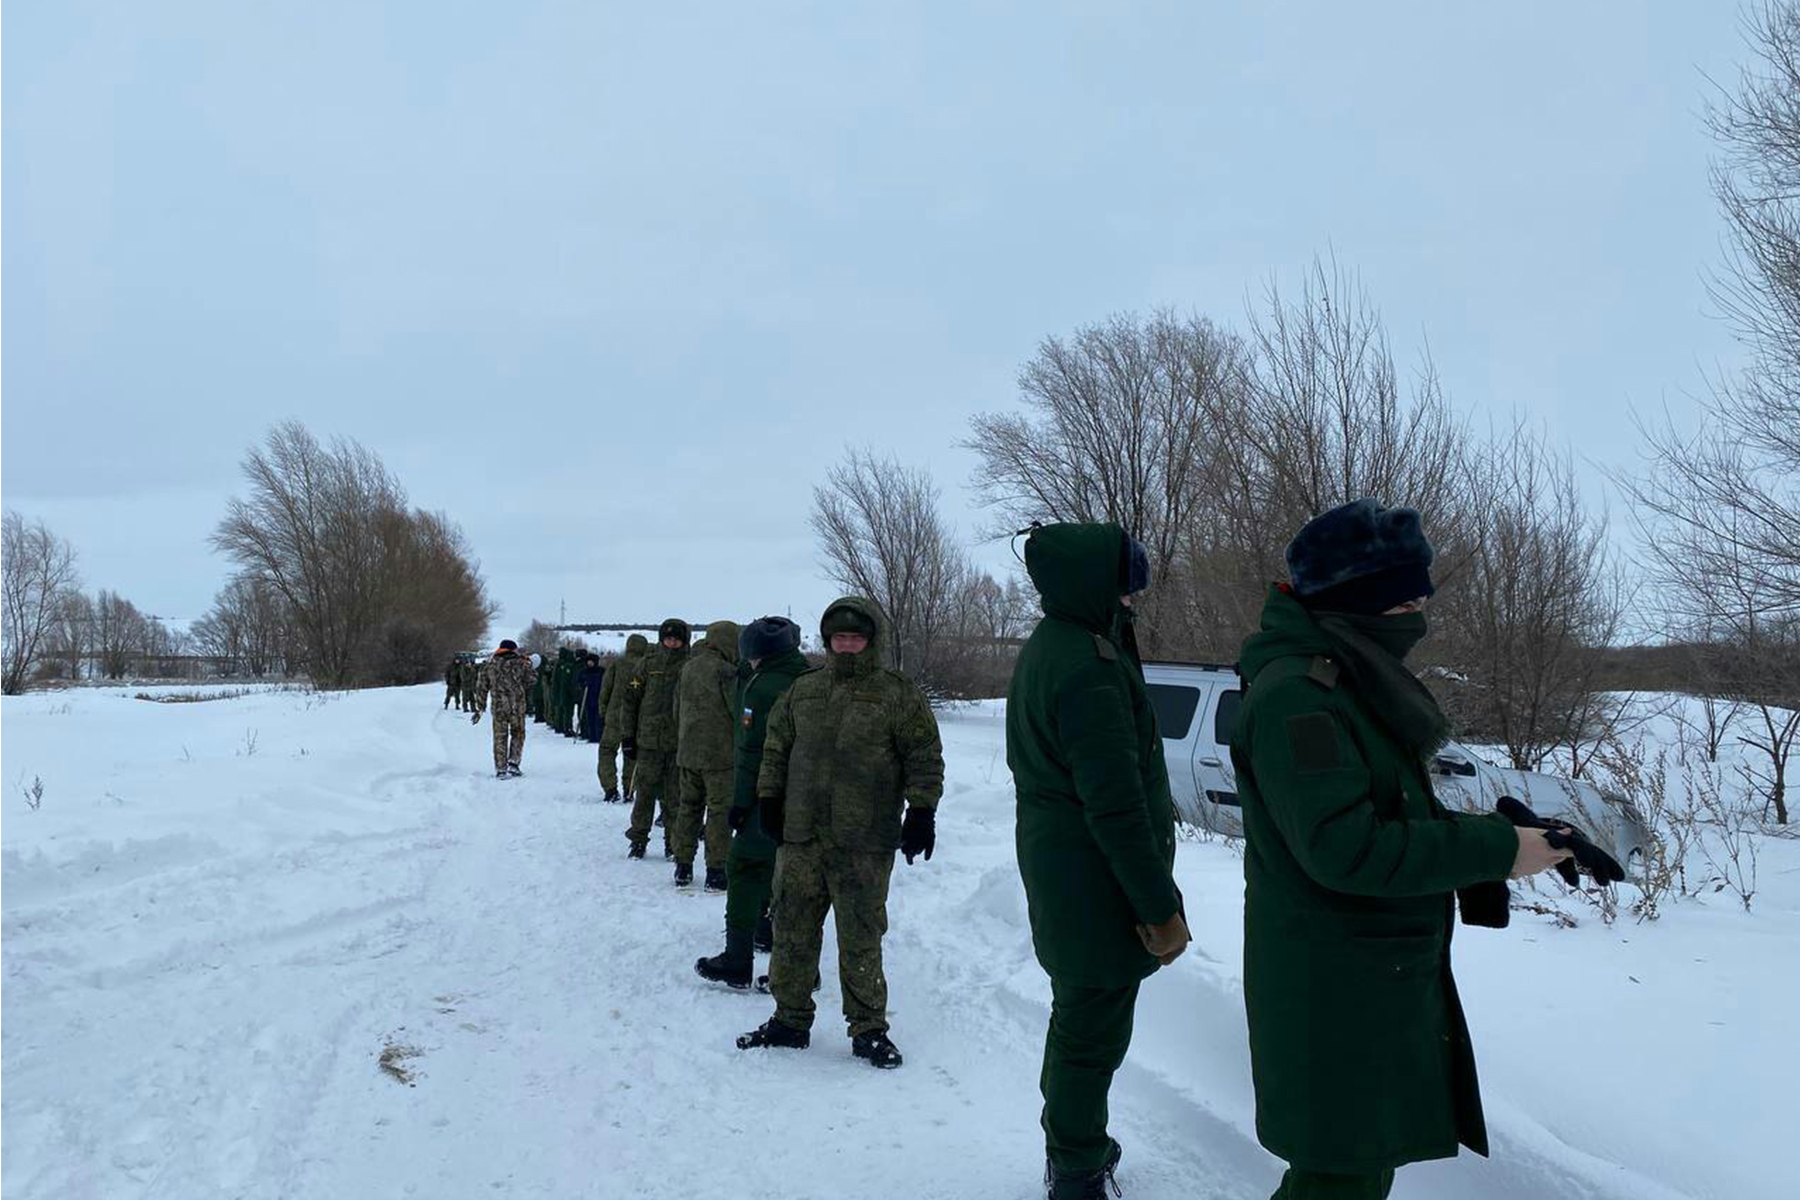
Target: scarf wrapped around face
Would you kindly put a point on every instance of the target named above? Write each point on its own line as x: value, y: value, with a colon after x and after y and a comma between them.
x: 1373, y: 650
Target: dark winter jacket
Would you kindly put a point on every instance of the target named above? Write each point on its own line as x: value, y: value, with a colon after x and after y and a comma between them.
x: 647, y: 715
x: 757, y: 691
x: 589, y: 682
x: 1096, y: 824
x: 1358, y: 1047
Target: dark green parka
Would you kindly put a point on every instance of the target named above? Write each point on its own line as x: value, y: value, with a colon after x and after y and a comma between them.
x: 758, y: 689
x: 706, y: 701
x: 848, y: 744
x: 648, y: 713
x: 1096, y: 825
x: 1358, y: 1046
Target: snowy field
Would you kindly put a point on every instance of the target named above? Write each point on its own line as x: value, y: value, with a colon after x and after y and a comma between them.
x: 291, y: 945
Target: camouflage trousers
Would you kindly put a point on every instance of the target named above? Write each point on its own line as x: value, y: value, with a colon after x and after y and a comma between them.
x: 658, y: 786
x: 609, y: 765
x: 811, y: 879
x: 509, y: 738
x: 705, y: 799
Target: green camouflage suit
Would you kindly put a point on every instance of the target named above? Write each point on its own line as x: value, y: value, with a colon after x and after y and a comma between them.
x: 750, y: 869
x: 507, y: 678
x: 848, y: 747
x: 706, y: 716
x: 468, y: 676
x: 612, y: 702
x: 452, y: 678
x: 647, y: 719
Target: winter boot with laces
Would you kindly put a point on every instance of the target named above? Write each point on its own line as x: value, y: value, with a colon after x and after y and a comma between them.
x: 734, y: 967
x: 774, y: 1034
x: 876, y: 1050
x: 715, y: 879
x: 684, y: 874
x: 1099, y: 1185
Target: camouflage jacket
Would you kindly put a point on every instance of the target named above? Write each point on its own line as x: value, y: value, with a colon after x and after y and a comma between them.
x: 612, y: 690
x: 849, y: 746
x: 706, y: 701
x: 507, y: 677
x: 648, y: 714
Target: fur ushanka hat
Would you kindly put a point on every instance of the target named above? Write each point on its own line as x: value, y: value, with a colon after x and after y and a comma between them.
x: 1361, y: 558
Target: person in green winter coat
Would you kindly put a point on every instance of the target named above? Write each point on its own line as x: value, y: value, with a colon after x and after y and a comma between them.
x: 612, y: 699
x: 849, y: 749
x: 1095, y: 832
x: 706, y: 719
x: 1359, y: 1051
x: 769, y: 660
x: 651, y: 736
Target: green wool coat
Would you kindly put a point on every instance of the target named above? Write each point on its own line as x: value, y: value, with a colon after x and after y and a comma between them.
x: 1096, y: 824
x: 758, y: 689
x: 1358, y: 1047
x: 850, y: 746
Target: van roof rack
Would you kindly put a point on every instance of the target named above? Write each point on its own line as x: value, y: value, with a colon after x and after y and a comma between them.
x: 1180, y: 662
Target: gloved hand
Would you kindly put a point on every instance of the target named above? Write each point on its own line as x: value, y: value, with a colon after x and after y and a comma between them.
x: 918, y: 832
x: 475, y: 718
x: 628, y: 747
x: 1589, y: 857
x: 773, y: 811
x: 738, y: 817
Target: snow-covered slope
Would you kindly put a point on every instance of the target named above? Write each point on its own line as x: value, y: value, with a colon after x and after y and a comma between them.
x: 225, y: 917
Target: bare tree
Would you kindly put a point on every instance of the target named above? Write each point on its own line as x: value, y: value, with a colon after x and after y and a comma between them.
x: 120, y: 633
x: 72, y: 640
x: 38, y: 570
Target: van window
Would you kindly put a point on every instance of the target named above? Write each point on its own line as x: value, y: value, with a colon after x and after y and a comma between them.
x: 1174, y: 707
x: 1225, y: 717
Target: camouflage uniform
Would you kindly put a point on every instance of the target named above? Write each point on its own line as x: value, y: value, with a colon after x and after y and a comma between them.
x: 612, y: 703
x: 452, y: 680
x: 508, y: 677
x: 846, y: 747
x: 647, y: 718
x: 706, y: 717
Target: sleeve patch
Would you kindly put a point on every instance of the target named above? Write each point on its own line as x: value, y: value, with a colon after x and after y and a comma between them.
x: 1313, y: 740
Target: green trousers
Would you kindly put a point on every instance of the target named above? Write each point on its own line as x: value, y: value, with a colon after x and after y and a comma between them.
x: 749, y: 875
x: 1317, y: 1185
x: 705, y: 804
x: 1090, y: 1031
x: 813, y: 880
x: 609, y: 764
x: 658, y: 787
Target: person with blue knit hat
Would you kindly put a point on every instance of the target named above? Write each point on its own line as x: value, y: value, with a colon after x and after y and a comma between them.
x: 1359, y: 1052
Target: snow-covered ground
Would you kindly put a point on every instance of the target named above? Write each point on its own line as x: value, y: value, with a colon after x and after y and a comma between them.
x: 224, y: 917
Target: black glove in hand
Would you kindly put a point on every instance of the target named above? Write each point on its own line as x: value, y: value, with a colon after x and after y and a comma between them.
x: 738, y: 817
x: 628, y: 747
x: 1562, y: 836
x: 918, y: 833
x: 773, y: 812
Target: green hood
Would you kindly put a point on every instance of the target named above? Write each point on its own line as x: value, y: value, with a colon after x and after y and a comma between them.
x: 722, y: 639
x: 1288, y: 631
x: 1079, y: 572
x: 870, y: 659
x: 636, y: 646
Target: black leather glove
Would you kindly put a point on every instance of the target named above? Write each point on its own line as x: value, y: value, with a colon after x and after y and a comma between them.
x: 773, y: 811
x: 628, y: 747
x: 1488, y: 905
x: 1562, y: 836
x: 918, y: 833
x: 738, y: 817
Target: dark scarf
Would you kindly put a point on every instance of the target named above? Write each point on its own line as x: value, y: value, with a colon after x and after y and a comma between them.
x: 1373, y: 650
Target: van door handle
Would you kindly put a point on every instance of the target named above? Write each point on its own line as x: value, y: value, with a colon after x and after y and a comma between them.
x: 1211, y: 762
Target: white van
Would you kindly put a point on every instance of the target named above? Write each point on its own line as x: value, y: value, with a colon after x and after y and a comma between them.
x: 1197, y: 709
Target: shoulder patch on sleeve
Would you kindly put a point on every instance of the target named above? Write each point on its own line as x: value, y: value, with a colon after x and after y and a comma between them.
x: 1105, y: 649
x: 1324, y: 672
x: 1313, y: 741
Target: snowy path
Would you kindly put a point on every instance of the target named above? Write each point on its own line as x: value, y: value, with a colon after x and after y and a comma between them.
x: 206, y: 957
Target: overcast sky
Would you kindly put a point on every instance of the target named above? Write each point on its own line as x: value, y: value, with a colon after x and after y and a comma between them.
x: 614, y: 284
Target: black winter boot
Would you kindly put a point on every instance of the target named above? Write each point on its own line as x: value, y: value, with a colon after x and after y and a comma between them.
x: 876, y: 1049
x: 765, y: 935
x: 684, y: 874
x: 734, y: 967
x: 715, y: 879
x: 611, y: 797
x: 1084, y: 1187
x: 637, y: 850
x: 773, y: 1033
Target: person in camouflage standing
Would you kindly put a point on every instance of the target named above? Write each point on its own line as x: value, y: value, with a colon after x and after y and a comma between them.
x: 612, y: 725
x: 649, y: 734
x: 452, y: 680
x: 847, y: 747
x: 706, y: 721
x: 507, y: 678
x: 769, y: 662
x: 468, y: 675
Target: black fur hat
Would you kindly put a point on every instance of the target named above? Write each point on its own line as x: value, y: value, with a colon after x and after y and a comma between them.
x: 1361, y: 558
x: 768, y: 637
x: 675, y: 627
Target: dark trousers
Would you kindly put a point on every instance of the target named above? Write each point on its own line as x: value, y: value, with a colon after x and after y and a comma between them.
x: 1090, y: 1031
x: 749, y: 876
x: 1318, y: 1185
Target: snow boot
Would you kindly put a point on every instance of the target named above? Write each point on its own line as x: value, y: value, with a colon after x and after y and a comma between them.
x: 734, y: 967
x: 765, y: 935
x: 715, y: 879
x: 684, y: 874
x: 513, y: 770
x: 611, y: 797
x: 502, y: 773
x: 668, y: 851
x: 637, y: 850
x: 1096, y: 1186
x: 876, y: 1050
x: 774, y: 1034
